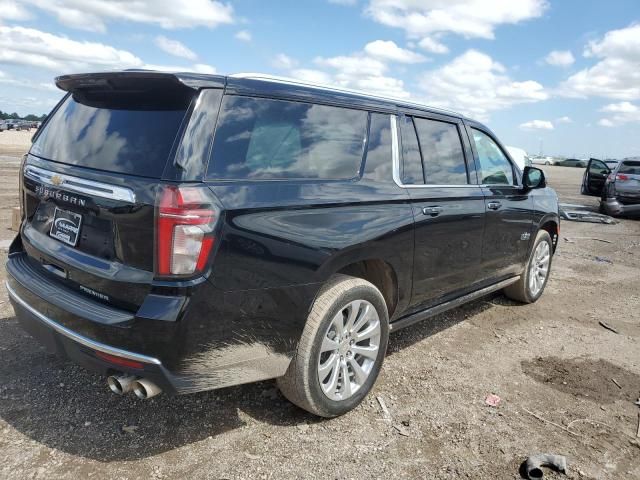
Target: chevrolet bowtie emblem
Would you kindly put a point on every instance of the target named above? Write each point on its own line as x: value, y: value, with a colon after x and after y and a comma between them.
x: 57, y: 180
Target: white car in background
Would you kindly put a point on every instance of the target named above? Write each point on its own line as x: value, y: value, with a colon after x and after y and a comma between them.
x: 543, y: 160
x: 519, y: 156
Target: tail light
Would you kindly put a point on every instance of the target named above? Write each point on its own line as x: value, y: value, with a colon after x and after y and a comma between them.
x: 185, y: 225
x: 622, y: 177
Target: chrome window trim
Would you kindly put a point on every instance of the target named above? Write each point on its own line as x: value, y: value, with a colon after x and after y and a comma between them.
x: 80, y: 185
x: 395, y: 154
x: 81, y: 339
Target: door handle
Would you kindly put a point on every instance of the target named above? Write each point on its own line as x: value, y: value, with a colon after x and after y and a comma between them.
x: 494, y: 205
x: 432, y: 211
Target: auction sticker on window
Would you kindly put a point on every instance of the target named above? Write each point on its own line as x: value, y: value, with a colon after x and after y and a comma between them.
x: 66, y: 226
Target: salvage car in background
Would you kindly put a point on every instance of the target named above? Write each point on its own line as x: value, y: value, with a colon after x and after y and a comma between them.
x: 543, y: 160
x: 619, y: 189
x: 572, y: 162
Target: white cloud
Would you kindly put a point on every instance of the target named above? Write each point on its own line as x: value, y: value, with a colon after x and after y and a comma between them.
x: 433, y: 46
x: 469, y: 18
x: 61, y: 55
x: 27, y: 46
x: 244, y: 36
x: 616, y: 74
x: 560, y: 58
x: 169, y: 14
x: 622, y: 107
x: 537, y: 125
x: 388, y: 50
x: 623, y: 112
x: 284, y: 62
x: 359, y: 72
x: 475, y: 84
x: 11, y: 10
x: 175, y: 48
x: 204, y: 68
x: 564, y: 120
x: 311, y: 75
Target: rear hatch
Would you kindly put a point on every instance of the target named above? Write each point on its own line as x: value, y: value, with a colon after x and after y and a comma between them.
x: 627, y: 182
x: 92, y: 178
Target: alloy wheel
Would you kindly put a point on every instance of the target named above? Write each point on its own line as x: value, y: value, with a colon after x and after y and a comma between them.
x: 349, y: 350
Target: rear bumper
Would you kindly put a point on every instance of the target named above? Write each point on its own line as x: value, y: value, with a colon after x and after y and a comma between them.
x: 68, y: 344
x: 612, y: 206
x: 215, y: 343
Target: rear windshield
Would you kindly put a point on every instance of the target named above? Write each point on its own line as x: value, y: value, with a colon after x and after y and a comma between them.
x: 121, y: 133
x: 631, y: 168
x: 260, y: 139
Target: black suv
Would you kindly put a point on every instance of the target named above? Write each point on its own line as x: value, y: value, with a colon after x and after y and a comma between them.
x: 187, y: 232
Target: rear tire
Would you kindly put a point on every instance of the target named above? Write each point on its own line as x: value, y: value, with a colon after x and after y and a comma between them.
x: 333, y: 347
x: 531, y: 284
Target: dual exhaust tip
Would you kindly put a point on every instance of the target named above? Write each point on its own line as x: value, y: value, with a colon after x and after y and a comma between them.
x: 143, y: 388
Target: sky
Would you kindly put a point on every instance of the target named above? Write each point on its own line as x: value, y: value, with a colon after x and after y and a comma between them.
x: 559, y: 77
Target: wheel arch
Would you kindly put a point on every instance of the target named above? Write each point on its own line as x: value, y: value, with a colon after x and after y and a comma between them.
x: 551, y: 224
x: 381, y: 274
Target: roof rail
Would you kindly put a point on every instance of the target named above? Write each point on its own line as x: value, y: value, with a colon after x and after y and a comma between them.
x: 330, y: 88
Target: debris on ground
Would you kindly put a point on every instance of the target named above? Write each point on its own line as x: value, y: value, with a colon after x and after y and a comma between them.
x: 572, y: 239
x: 637, y: 402
x: 617, y: 384
x: 638, y: 430
x: 608, y: 327
x: 492, y: 400
x: 533, y: 465
x: 129, y: 428
x: 585, y: 216
x: 386, y: 416
x: 402, y: 430
x: 603, y: 260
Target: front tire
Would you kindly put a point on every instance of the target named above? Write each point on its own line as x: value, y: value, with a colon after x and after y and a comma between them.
x: 536, y: 274
x: 341, y: 349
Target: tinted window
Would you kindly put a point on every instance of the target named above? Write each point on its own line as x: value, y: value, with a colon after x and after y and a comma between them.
x: 273, y: 139
x: 632, y: 168
x: 442, y: 154
x: 117, y: 133
x: 495, y: 167
x: 379, y: 163
x: 412, y: 163
x: 598, y: 168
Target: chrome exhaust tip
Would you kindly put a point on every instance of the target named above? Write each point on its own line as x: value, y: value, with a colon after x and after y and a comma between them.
x: 121, y: 384
x: 144, y: 389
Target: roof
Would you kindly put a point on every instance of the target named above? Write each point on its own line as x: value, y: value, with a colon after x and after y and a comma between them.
x: 334, y: 89
x: 240, y: 82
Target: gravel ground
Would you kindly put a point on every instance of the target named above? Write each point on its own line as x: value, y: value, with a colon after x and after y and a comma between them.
x: 567, y: 386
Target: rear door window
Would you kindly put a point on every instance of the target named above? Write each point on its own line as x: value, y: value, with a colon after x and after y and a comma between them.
x: 412, y: 162
x: 495, y: 167
x: 379, y: 163
x: 442, y: 154
x: 117, y: 133
x: 262, y: 139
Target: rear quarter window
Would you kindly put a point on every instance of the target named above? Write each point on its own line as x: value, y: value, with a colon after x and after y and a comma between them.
x: 262, y: 139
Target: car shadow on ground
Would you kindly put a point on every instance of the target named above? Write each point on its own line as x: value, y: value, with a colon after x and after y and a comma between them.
x: 67, y: 408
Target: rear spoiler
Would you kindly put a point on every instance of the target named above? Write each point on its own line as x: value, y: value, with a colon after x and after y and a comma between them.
x: 137, y: 79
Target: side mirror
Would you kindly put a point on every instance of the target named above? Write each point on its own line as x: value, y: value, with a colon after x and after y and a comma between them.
x: 533, y: 178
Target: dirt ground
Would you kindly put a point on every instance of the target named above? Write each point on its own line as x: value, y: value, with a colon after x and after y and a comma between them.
x: 567, y: 386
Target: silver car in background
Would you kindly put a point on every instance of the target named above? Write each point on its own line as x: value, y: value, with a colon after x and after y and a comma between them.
x: 619, y: 189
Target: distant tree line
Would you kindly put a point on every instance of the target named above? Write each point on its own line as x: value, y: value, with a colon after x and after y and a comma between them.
x: 31, y: 117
